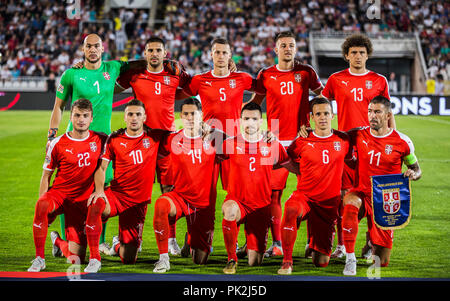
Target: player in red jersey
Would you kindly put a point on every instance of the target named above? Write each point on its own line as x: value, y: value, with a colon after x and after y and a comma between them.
x: 248, y: 199
x: 352, y: 89
x: 75, y: 155
x: 317, y: 197
x: 286, y: 88
x: 156, y: 87
x: 381, y: 150
x: 133, y: 152
x: 194, y: 193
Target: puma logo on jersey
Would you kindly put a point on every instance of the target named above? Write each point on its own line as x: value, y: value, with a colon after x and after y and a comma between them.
x: 366, y: 143
x: 289, y: 228
x: 239, y: 149
x: 311, y: 144
x: 348, y: 230
x: 69, y: 150
x: 123, y: 144
x: 38, y: 226
x: 227, y: 228
x: 82, y: 78
x: 273, y: 77
x: 345, y: 83
x: 209, y: 83
x: 159, y: 232
x: 90, y: 227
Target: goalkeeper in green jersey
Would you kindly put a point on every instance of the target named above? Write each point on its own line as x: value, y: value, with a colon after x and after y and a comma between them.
x: 94, y: 81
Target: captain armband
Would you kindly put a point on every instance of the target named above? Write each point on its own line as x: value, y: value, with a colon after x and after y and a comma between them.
x: 410, y: 159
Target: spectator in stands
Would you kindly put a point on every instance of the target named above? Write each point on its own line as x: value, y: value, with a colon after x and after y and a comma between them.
x: 393, y: 85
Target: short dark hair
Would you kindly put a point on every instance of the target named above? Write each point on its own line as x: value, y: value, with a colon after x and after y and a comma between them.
x: 357, y: 40
x: 135, y: 102
x: 318, y: 101
x: 383, y: 100
x: 192, y: 101
x: 155, y: 40
x: 251, y: 106
x: 284, y: 34
x: 82, y: 104
x: 220, y: 41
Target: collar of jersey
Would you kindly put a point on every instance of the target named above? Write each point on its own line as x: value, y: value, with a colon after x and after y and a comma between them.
x: 126, y: 133
x: 154, y: 72
x: 220, y: 76
x: 357, y: 74
x: 323, y: 137
x: 390, y: 132
x: 74, y: 139
x: 260, y: 138
x: 195, y: 137
x: 276, y: 66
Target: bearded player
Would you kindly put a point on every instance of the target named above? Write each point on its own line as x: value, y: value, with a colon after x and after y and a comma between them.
x: 133, y: 152
x: 75, y: 156
x: 381, y: 151
x: 317, y: 197
x: 352, y: 89
x: 286, y: 88
x: 248, y: 195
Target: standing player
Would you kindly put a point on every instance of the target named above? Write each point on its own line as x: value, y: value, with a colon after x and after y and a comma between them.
x: 352, y: 89
x: 321, y: 157
x: 194, y: 193
x: 248, y: 199
x: 95, y: 81
x: 75, y: 155
x: 156, y: 87
x: 133, y: 153
x: 381, y: 150
x: 286, y: 88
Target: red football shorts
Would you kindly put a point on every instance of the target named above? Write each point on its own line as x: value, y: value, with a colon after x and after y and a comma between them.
x: 131, y: 218
x: 321, y: 220
x: 378, y: 236
x: 348, y: 178
x: 164, y: 171
x: 224, y: 168
x: 200, y: 221
x: 278, y: 178
x: 75, y: 214
x: 257, y: 222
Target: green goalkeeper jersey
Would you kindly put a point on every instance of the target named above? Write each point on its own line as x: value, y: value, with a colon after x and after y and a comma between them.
x: 97, y: 86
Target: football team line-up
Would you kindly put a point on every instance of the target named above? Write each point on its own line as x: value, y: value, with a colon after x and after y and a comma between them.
x: 102, y: 174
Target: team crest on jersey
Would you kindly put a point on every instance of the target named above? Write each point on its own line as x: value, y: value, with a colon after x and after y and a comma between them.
x: 232, y: 83
x: 146, y: 143
x: 264, y: 150
x: 368, y: 84
x: 106, y: 75
x: 297, y: 77
x: 391, y: 200
x: 93, y: 146
x: 60, y: 88
x: 167, y: 80
x: 388, y: 149
x: 337, y: 145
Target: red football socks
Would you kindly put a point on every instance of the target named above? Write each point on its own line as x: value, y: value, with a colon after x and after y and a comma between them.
x: 94, y: 227
x: 350, y: 227
x: 40, y: 225
x: 276, y: 212
x: 292, y: 211
x: 230, y: 233
x: 161, y: 224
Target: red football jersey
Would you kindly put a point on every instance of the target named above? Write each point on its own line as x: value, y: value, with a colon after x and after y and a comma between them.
x: 76, y: 161
x: 157, y: 91
x: 379, y: 155
x: 134, y: 163
x: 321, y: 162
x: 352, y: 93
x: 192, y: 163
x: 221, y: 98
x: 287, y: 98
x: 250, y: 170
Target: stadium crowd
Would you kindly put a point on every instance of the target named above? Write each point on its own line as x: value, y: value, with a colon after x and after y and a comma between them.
x: 38, y: 39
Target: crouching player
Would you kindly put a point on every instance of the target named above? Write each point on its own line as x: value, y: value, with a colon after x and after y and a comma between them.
x: 133, y: 151
x: 381, y: 151
x: 248, y: 199
x: 321, y: 162
x: 75, y: 155
x: 194, y: 194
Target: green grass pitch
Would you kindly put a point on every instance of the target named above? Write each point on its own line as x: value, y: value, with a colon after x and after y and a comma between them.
x: 422, y: 249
